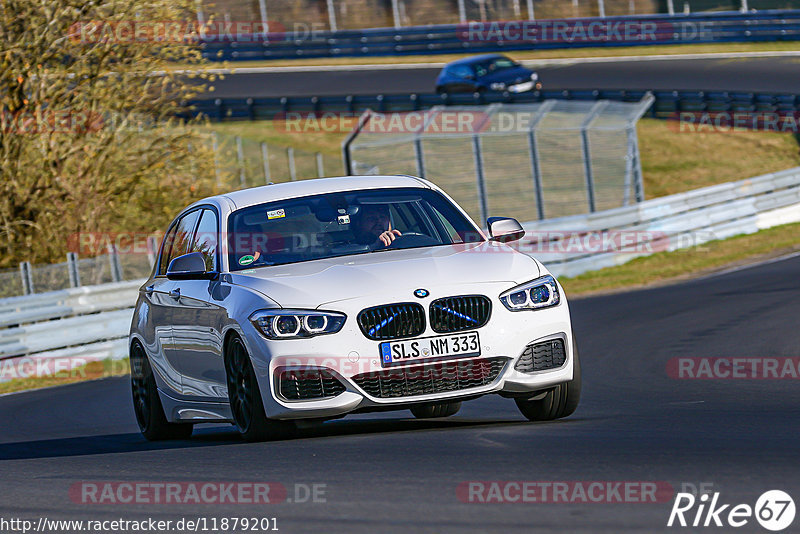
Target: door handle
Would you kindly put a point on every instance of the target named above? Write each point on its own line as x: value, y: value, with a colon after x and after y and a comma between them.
x: 149, y: 289
x: 175, y: 293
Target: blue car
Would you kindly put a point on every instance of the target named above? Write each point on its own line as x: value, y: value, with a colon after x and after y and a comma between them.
x: 489, y: 72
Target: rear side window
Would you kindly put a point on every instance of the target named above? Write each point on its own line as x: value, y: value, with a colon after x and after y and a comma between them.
x: 461, y: 71
x: 177, y: 241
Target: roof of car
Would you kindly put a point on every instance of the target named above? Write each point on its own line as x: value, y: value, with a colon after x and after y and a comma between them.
x: 268, y: 193
x: 474, y: 59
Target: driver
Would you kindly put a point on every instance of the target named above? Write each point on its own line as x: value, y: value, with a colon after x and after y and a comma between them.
x: 374, y: 227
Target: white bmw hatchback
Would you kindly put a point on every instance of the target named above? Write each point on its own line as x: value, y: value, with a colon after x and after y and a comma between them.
x: 316, y: 299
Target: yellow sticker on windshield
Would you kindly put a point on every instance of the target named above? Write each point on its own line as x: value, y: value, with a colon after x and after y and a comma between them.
x: 276, y: 214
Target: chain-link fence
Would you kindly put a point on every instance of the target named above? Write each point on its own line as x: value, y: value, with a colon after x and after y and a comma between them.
x: 306, y: 16
x: 529, y: 161
x: 241, y: 162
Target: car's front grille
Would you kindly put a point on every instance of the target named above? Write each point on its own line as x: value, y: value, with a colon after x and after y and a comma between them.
x: 439, y: 377
x: 392, y: 321
x: 542, y: 356
x: 307, y: 384
x: 453, y: 314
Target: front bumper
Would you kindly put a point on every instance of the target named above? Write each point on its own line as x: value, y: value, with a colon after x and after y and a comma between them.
x: 349, y: 353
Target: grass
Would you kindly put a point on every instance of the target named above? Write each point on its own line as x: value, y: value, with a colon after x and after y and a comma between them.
x: 674, y: 161
x: 522, y: 55
x: 665, y: 267
x: 90, y: 371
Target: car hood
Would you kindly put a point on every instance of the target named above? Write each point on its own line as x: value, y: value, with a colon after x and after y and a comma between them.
x: 316, y: 283
x: 508, y: 76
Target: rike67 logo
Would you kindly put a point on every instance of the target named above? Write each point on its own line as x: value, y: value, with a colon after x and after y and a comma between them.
x: 774, y: 510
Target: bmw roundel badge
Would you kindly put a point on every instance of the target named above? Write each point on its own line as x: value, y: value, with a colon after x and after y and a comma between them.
x: 421, y: 293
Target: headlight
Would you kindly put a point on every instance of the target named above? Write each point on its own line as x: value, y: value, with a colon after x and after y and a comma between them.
x: 287, y: 324
x: 497, y: 86
x: 535, y: 295
x: 534, y: 76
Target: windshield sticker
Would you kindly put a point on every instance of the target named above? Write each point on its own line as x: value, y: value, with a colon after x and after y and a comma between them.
x: 276, y: 214
x: 344, y: 219
x: 246, y: 260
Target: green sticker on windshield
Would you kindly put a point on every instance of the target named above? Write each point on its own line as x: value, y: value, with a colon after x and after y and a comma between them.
x: 246, y: 260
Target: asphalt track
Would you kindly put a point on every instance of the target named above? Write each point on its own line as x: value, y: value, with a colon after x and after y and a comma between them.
x: 759, y: 74
x: 390, y: 473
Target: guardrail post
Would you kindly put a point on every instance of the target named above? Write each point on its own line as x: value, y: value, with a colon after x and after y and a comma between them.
x: 265, y: 161
x: 320, y: 165
x: 72, y: 267
x: 240, y: 161
x: 531, y: 15
x: 262, y: 5
x: 670, y: 7
x: 113, y: 262
x: 27, y: 278
x: 744, y: 9
x: 601, y: 8
x: 396, y: 14
x: 481, y: 183
x: 292, y: 169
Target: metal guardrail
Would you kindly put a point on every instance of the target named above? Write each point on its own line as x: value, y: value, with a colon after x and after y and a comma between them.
x: 91, y: 323
x: 77, y: 326
x: 667, y: 223
x: 721, y: 27
x: 667, y: 103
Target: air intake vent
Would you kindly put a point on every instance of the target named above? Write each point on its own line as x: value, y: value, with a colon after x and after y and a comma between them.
x: 542, y: 356
x: 392, y: 321
x: 308, y: 384
x: 453, y: 314
x: 432, y: 378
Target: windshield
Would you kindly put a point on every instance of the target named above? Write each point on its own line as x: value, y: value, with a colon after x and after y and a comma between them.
x: 339, y: 224
x: 493, y: 65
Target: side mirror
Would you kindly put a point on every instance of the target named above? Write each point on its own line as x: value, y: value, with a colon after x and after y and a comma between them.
x: 190, y: 266
x: 504, y: 229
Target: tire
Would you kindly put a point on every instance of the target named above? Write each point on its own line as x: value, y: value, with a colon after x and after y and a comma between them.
x: 441, y: 409
x: 244, y: 396
x: 561, y: 401
x: 146, y: 403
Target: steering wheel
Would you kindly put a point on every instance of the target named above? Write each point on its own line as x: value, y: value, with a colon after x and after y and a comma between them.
x: 412, y: 239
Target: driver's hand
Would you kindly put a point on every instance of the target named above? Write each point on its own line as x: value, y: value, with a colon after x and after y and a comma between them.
x: 388, y: 236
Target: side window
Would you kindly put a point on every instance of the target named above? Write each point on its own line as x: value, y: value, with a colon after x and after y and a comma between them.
x: 166, y: 246
x: 461, y: 71
x: 205, y: 239
x: 180, y: 240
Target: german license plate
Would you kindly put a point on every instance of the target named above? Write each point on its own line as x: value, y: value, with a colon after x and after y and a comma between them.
x: 430, y: 348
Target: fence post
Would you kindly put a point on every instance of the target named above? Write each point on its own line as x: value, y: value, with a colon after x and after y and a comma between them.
x: 113, y: 261
x: 152, y: 250
x: 240, y: 160
x: 72, y: 268
x: 462, y: 12
x: 481, y: 183
x: 670, y: 7
x: 531, y: 15
x: 744, y: 8
x: 601, y: 8
x: 419, y: 155
x: 396, y: 14
x: 533, y: 148
x: 292, y: 169
x: 587, y: 154
x: 636, y: 165
x: 262, y: 4
x: 331, y: 16
x: 265, y: 161
x: 320, y: 165
x: 27, y: 278
x: 215, y: 148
